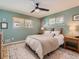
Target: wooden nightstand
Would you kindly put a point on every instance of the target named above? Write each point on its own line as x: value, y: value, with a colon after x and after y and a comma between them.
x: 71, y: 43
x: 0, y: 45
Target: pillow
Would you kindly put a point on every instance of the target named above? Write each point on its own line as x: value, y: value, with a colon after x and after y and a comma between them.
x: 54, y: 33
x: 47, y: 32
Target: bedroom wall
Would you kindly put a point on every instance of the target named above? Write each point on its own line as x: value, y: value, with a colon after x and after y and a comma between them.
x: 17, y: 34
x: 68, y: 14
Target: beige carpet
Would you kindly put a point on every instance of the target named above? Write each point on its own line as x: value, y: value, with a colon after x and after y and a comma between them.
x: 19, y: 51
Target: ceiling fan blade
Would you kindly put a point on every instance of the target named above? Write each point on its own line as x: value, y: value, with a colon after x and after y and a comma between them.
x: 43, y: 9
x: 32, y: 11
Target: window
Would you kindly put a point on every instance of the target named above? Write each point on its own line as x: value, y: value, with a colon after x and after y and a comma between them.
x: 60, y: 19
x: 28, y: 23
x: 21, y: 22
x: 18, y: 22
x: 51, y: 21
x: 56, y: 20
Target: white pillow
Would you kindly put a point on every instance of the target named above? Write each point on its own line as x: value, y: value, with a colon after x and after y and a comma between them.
x: 54, y: 33
x: 47, y: 32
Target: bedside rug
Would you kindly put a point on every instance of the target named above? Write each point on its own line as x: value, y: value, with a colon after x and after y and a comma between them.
x: 19, y: 51
x: 63, y: 54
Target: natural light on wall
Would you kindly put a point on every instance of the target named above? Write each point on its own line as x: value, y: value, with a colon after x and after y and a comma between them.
x: 72, y: 29
x: 21, y: 22
x: 18, y: 22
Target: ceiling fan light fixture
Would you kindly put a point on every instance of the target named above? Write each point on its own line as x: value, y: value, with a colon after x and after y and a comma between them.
x: 37, y: 10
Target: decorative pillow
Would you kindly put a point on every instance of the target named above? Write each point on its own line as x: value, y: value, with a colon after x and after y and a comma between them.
x: 55, y: 33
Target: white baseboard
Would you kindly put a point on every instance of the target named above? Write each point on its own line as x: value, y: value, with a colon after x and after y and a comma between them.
x: 13, y: 43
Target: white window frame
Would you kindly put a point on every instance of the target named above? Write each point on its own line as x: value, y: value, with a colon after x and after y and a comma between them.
x: 28, y: 23
x: 18, y: 22
x: 60, y: 19
x: 51, y: 21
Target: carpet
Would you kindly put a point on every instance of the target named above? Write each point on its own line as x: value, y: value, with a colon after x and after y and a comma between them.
x: 21, y: 51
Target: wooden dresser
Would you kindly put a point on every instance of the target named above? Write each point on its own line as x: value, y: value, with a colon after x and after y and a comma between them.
x: 0, y: 44
x: 71, y: 43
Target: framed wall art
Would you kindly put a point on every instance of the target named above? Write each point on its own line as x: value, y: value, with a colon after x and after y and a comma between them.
x: 4, y: 25
x: 75, y: 17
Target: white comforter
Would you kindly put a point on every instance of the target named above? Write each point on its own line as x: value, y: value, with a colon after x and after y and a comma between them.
x: 43, y: 44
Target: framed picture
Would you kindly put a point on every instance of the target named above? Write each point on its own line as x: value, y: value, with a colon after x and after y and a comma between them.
x: 4, y: 25
x: 76, y: 17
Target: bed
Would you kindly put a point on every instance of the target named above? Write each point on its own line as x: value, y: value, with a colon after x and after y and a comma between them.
x: 45, y: 43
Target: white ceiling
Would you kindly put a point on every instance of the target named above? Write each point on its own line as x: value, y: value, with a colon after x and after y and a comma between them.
x: 25, y: 6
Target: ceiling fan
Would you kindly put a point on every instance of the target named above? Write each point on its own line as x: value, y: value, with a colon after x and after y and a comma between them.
x: 37, y: 7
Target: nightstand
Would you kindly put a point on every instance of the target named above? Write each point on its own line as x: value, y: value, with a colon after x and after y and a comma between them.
x: 71, y: 43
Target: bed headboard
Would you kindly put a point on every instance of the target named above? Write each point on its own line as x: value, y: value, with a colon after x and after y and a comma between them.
x: 58, y: 29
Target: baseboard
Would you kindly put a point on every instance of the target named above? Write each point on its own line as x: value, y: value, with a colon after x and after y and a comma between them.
x: 13, y: 43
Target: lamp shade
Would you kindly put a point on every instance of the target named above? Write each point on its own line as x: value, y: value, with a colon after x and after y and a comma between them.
x: 37, y: 10
x: 42, y: 28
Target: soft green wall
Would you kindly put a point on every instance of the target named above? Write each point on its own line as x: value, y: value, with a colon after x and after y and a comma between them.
x: 17, y: 33
x: 21, y: 33
x: 67, y: 18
